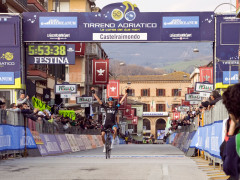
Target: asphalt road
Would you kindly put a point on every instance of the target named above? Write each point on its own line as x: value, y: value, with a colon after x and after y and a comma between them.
x: 128, y: 162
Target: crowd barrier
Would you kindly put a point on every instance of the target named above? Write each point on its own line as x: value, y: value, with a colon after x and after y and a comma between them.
x: 44, y: 137
x: 207, y: 138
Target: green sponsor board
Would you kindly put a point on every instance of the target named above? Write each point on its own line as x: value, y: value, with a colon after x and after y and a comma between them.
x: 37, y: 103
x: 68, y: 113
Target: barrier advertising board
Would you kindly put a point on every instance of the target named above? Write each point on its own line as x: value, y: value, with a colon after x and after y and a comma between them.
x: 13, y: 138
x: 50, y: 144
x: 63, y: 143
x: 80, y: 142
x: 72, y: 142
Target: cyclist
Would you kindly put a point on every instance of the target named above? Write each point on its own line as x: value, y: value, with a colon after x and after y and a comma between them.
x: 111, y: 111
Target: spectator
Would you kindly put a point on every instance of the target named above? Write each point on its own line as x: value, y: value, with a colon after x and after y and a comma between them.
x: 214, y: 98
x: 3, y: 112
x: 230, y: 148
x: 22, y: 99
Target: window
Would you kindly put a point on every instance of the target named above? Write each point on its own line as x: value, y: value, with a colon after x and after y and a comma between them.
x: 160, y: 92
x: 174, y: 107
x: 145, y: 92
x: 131, y: 92
x: 176, y: 92
x: 62, y: 6
x: 133, y: 127
x: 160, y: 107
x: 146, y: 108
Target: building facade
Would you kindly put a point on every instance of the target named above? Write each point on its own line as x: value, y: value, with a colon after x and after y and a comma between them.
x: 161, y: 94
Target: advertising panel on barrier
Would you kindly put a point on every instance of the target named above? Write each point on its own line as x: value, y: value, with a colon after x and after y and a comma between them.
x: 94, y: 146
x: 72, y: 142
x: 63, y: 143
x: 80, y: 142
x: 86, y: 142
x: 160, y: 134
x: 188, y: 141
x: 50, y: 143
x: 207, y: 140
x: 100, y: 140
x: 37, y: 137
x: 216, y: 138
x: 42, y: 149
x: 13, y: 138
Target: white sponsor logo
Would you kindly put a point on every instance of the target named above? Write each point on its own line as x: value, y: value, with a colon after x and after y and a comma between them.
x: 119, y: 36
x: 51, y: 60
x: 100, y: 72
x: 113, y: 89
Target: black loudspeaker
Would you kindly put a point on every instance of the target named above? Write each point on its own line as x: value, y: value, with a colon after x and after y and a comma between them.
x: 47, y: 94
x: 58, y: 99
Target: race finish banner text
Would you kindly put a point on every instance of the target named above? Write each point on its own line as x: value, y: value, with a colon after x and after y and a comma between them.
x: 119, y: 22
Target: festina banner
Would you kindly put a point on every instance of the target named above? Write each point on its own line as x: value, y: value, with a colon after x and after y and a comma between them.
x: 135, y: 120
x: 100, y: 71
x: 203, y: 87
x: 192, y: 97
x: 113, y: 89
x: 65, y: 89
x: 176, y: 115
x: 127, y: 112
x: 50, y: 54
x: 206, y: 74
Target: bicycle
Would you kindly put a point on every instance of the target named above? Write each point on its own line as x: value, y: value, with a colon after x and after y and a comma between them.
x: 108, y: 143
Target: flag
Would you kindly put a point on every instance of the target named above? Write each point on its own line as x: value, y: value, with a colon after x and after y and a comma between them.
x: 113, y: 89
x: 127, y: 111
x: 100, y: 69
x: 167, y: 105
x: 135, y: 120
x: 176, y: 115
x: 206, y: 74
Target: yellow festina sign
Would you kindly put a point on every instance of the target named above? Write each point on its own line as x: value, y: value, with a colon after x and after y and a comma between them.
x: 37, y: 103
x: 68, y: 113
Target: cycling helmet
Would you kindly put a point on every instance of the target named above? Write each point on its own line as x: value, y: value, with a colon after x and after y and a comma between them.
x: 110, y: 99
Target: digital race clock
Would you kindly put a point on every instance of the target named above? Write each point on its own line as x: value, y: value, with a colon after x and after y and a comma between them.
x: 47, y: 50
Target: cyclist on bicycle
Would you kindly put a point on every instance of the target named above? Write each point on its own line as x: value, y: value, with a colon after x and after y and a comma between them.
x: 110, y: 119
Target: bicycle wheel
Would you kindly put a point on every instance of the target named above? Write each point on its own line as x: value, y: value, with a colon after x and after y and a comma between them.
x: 106, y: 147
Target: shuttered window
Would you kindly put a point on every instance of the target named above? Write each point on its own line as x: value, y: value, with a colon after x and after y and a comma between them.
x: 145, y: 92
x: 176, y: 92
x: 146, y: 108
x: 160, y: 107
x: 160, y: 92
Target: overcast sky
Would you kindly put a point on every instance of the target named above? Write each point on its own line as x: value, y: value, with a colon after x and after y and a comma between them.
x: 174, y: 5
x: 148, y: 54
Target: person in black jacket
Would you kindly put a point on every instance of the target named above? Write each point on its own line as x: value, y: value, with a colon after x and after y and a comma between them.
x: 230, y: 157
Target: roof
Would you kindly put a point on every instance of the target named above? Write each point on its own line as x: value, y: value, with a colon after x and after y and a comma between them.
x: 175, y: 76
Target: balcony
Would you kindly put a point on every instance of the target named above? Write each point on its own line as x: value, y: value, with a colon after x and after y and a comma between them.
x: 37, y: 72
x: 36, y: 6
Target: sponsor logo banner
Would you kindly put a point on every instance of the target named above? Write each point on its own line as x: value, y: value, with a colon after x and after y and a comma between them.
x: 72, y: 142
x: 37, y: 137
x: 203, y: 87
x: 13, y: 138
x: 230, y: 78
x: 194, y: 102
x: 160, y: 134
x: 58, y: 22
x: 63, y: 143
x: 183, y: 108
x: 113, y: 89
x: 176, y: 116
x: 117, y: 22
x: 181, y: 22
x: 65, y: 88
x: 7, y: 78
x: 192, y: 97
x: 84, y: 100
x: 80, y: 142
x: 50, y: 144
x: 155, y: 113
x: 100, y: 71
x: 127, y: 111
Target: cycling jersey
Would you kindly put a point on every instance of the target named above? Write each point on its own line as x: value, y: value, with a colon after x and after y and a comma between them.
x: 110, y: 114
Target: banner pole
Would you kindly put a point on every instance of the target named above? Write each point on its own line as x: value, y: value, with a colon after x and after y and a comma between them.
x: 25, y: 129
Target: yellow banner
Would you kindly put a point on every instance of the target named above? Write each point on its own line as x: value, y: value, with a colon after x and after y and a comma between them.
x: 37, y: 103
x: 68, y: 113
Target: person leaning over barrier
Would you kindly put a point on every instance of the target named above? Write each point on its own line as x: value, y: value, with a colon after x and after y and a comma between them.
x: 230, y: 149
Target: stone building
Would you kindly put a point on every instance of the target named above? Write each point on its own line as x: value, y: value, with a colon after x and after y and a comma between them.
x: 161, y: 94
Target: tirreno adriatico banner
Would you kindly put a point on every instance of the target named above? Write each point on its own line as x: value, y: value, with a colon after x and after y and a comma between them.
x: 119, y: 22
